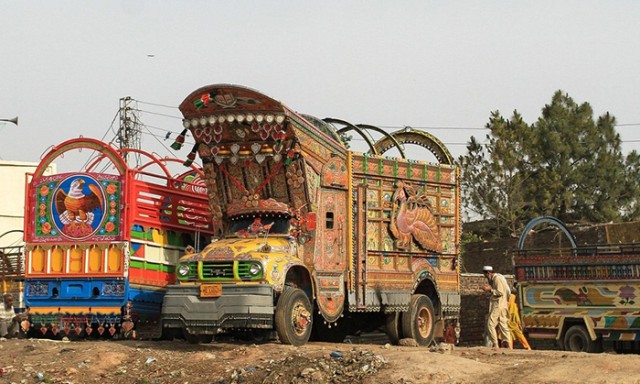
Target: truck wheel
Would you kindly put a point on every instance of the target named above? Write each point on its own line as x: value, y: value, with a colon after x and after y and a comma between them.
x: 293, y: 317
x: 394, y: 327
x: 577, y: 339
x: 418, y: 321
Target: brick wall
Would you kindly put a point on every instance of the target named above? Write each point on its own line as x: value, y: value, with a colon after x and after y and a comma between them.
x: 474, y: 307
x: 497, y: 253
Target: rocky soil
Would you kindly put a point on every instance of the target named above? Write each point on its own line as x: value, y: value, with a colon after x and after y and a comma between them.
x: 229, y: 361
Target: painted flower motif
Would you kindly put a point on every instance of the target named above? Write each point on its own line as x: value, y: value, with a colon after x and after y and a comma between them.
x: 112, y: 204
x: 111, y: 189
x: 627, y: 292
x: 43, y: 213
x: 110, y: 227
x: 112, y: 211
x: 43, y: 207
x: 627, y: 295
x: 46, y: 228
x: 44, y: 190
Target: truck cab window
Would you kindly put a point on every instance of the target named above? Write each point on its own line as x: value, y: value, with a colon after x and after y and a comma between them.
x: 329, y: 220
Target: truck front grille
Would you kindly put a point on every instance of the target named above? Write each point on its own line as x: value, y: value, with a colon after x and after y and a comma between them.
x: 217, y: 270
x: 228, y: 270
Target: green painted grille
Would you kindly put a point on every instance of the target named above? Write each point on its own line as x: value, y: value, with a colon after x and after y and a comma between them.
x: 217, y: 270
x: 228, y: 270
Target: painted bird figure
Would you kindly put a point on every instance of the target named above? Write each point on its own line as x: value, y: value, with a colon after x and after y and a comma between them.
x: 75, y: 205
x: 411, y: 219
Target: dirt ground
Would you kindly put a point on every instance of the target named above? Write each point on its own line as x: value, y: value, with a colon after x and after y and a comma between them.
x: 141, y: 362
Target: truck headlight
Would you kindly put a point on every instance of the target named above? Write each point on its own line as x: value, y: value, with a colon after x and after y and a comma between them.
x: 255, y: 269
x: 183, y: 270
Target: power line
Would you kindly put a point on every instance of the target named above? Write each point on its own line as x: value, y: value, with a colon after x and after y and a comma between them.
x: 470, y: 128
x: 158, y: 137
x: 157, y: 105
x: 161, y: 138
x: 436, y: 127
x: 381, y: 126
x: 158, y: 140
x: 157, y: 113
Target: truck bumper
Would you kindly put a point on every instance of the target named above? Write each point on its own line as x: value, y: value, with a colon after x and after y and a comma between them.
x: 239, y: 307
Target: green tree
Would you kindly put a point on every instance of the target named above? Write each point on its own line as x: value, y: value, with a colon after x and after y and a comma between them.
x: 579, y: 164
x: 566, y: 165
x: 494, y: 174
x: 631, y: 190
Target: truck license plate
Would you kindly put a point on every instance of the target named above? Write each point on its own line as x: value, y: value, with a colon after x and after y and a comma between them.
x: 210, y: 290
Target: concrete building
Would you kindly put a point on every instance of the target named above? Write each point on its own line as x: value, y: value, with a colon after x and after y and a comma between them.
x: 13, y: 176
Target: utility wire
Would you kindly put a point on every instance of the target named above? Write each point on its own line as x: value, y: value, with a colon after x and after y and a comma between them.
x: 386, y: 127
x: 158, y: 137
x: 157, y: 105
x: 170, y: 150
x: 156, y: 113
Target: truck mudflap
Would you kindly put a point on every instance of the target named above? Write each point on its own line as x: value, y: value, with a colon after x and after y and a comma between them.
x: 236, y: 307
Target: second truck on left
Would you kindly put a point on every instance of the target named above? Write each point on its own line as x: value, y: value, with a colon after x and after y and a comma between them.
x: 102, y: 242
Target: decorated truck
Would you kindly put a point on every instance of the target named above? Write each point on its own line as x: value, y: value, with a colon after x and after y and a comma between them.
x: 585, y: 298
x: 310, y: 238
x: 102, y: 242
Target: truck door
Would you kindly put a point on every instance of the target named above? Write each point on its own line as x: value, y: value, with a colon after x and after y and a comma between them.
x: 330, y: 254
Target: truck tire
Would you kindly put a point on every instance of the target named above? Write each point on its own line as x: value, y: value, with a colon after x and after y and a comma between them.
x: 394, y: 327
x: 577, y: 339
x: 419, y: 320
x: 294, y: 318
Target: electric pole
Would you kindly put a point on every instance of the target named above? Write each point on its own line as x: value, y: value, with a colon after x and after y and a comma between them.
x: 129, y: 133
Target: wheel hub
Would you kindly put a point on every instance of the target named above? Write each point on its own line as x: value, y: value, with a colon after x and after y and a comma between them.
x: 424, y: 322
x: 300, y: 319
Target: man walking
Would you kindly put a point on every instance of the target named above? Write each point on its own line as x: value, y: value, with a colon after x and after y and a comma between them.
x: 498, y: 306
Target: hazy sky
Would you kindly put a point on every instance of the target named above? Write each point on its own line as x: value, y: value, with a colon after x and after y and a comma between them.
x: 65, y: 64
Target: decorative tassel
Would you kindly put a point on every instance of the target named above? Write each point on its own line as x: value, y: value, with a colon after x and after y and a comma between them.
x: 191, y: 156
x: 179, y: 140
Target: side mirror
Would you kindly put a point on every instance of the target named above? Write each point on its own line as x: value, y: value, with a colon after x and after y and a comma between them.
x: 302, y: 239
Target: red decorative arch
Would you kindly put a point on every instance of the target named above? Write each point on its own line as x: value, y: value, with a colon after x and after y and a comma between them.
x: 59, y: 150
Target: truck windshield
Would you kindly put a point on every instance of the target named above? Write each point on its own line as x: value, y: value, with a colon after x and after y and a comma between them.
x: 257, y: 224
